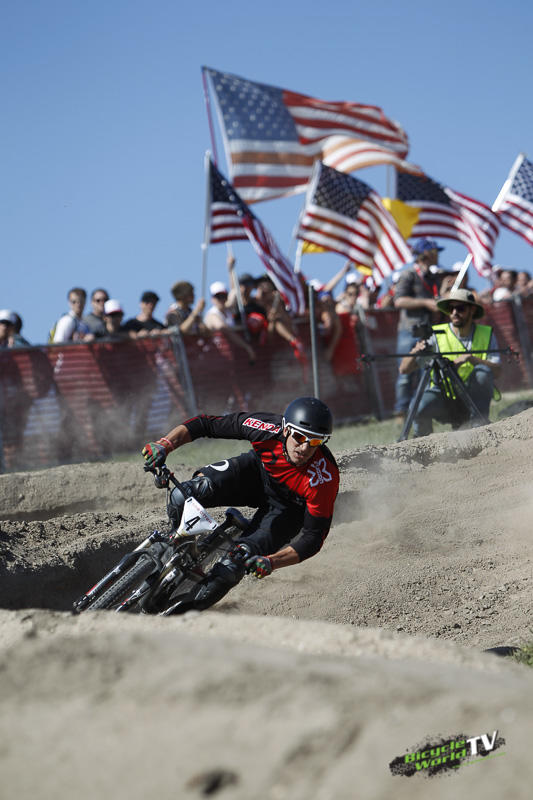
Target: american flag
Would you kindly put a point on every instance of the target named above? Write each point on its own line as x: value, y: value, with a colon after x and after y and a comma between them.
x: 516, y: 208
x: 225, y: 223
x: 230, y: 218
x: 345, y: 215
x: 451, y: 215
x: 273, y: 136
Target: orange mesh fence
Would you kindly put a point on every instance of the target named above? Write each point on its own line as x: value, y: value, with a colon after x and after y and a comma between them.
x: 87, y: 401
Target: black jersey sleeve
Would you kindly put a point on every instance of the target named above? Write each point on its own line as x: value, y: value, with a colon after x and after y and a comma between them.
x: 256, y: 427
x: 312, y: 536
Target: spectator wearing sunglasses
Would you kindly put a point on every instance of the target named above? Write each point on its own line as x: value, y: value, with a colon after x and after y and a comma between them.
x: 289, y: 476
x: 71, y: 326
x: 95, y: 318
x: 460, y: 336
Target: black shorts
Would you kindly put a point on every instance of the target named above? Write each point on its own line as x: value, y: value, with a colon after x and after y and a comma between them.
x: 238, y: 481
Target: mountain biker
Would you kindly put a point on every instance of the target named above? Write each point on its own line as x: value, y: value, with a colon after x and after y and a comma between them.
x: 289, y: 476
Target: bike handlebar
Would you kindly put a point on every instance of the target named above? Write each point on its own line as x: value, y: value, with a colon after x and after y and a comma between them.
x: 162, y: 477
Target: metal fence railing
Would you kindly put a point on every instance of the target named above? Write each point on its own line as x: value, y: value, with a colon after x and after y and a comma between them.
x: 61, y: 403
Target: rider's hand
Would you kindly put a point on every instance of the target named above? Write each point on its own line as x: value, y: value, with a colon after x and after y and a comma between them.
x: 155, y: 453
x: 260, y: 566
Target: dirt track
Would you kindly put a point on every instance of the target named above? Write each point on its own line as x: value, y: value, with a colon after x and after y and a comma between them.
x: 301, y: 685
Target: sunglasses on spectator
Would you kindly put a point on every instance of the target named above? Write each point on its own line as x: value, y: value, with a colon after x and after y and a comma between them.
x: 459, y: 307
x: 312, y: 441
x: 221, y: 295
x: 100, y: 299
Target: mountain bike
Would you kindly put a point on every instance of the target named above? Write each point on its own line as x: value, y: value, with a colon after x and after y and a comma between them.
x: 167, y: 564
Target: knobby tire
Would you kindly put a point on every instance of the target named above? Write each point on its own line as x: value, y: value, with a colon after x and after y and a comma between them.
x: 124, y: 585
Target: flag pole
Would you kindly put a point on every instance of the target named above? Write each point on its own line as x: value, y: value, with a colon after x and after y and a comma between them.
x: 236, y: 286
x: 462, y: 272
x: 391, y: 181
x: 298, y: 255
x: 207, y: 222
x: 508, y: 183
x: 209, y: 117
x: 312, y: 325
x: 309, y: 193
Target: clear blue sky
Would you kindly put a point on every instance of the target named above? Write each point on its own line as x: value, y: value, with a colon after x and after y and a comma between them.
x: 104, y: 126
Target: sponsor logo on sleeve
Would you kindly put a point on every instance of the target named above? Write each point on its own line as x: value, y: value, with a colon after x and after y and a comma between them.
x: 252, y: 422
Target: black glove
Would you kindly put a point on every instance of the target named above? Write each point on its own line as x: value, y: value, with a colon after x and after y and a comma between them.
x: 155, y: 453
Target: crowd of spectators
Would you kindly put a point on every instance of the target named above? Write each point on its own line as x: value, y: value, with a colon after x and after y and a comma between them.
x: 252, y: 310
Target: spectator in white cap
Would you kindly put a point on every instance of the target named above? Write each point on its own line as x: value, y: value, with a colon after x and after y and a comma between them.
x: 10, y: 325
x: 219, y: 318
x: 7, y: 327
x: 113, y: 316
x: 18, y: 338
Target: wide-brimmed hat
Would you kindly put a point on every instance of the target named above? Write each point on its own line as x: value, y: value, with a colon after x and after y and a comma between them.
x: 461, y: 296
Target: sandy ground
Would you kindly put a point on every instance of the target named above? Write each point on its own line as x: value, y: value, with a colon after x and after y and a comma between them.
x: 304, y: 685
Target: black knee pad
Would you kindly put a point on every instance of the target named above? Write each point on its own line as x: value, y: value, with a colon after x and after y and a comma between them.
x: 230, y: 569
x: 226, y: 574
x: 200, y: 488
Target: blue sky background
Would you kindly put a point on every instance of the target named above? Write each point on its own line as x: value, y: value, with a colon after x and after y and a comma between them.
x: 104, y: 126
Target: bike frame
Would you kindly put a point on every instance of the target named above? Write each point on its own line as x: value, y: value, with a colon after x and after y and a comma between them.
x: 177, y: 551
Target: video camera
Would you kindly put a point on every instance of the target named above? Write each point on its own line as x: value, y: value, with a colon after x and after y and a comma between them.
x: 422, y: 330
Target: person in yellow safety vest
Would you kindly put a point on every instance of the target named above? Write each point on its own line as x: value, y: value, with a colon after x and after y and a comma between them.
x: 460, y: 335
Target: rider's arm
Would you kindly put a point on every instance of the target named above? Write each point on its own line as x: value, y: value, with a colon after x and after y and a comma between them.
x: 178, y: 436
x: 252, y: 427
x: 285, y: 557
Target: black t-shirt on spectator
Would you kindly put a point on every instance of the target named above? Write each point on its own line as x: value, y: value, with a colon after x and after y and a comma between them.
x: 136, y: 325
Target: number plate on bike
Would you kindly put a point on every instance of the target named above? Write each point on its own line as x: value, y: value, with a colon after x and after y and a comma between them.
x: 195, y: 519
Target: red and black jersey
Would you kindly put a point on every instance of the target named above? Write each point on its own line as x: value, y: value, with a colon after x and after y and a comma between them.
x: 313, y: 486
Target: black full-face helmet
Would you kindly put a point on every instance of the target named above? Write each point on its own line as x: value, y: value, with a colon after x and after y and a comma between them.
x: 309, y: 416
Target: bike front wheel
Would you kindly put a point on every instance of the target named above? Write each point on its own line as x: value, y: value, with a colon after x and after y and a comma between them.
x: 124, y: 585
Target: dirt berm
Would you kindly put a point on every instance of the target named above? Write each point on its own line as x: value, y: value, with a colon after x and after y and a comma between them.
x: 304, y: 685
